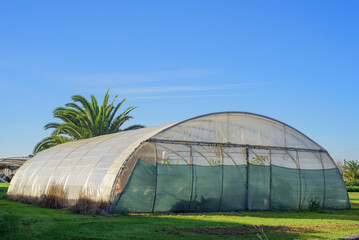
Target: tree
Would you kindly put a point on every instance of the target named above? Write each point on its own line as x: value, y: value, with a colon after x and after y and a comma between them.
x: 351, y: 170
x: 85, y: 119
x: 341, y: 166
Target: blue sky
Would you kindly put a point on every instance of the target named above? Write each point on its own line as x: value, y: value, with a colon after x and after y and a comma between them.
x: 295, y: 61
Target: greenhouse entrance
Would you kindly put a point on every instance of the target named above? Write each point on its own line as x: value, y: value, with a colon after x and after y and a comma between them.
x: 203, y: 177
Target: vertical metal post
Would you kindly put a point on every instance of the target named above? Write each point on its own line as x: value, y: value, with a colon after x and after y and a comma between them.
x: 227, y: 128
x: 324, y: 185
x: 247, y: 173
x: 300, y: 180
x: 154, y: 198
x: 270, y: 179
x: 220, y: 198
x: 284, y: 136
x: 191, y: 160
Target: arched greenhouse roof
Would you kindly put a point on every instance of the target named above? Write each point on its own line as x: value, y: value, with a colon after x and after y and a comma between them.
x: 238, y: 128
x: 90, y: 164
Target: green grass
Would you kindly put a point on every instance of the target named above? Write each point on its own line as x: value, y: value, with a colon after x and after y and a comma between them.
x: 22, y: 221
x: 3, y: 188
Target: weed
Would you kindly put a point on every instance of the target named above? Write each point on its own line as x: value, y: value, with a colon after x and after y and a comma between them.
x: 85, y: 205
x: 314, y: 204
x: 56, y: 197
x: 22, y: 198
x: 260, y: 233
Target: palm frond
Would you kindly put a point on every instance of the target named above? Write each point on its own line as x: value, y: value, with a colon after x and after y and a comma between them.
x: 51, y: 125
x: 113, y: 114
x: 134, y: 127
x: 117, y: 123
x: 50, y: 142
x: 84, y: 119
x: 90, y: 113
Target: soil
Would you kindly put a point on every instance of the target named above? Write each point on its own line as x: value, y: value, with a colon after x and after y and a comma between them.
x: 252, y: 229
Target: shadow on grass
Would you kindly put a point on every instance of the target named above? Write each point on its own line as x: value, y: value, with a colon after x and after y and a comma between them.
x: 349, y: 214
x: 345, y: 214
x: 22, y: 221
x: 3, y: 191
x: 244, y: 231
x: 71, y: 226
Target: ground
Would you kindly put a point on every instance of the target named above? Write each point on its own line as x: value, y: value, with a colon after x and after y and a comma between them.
x: 22, y: 221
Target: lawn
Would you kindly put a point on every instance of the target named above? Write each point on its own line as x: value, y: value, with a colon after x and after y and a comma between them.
x: 22, y: 221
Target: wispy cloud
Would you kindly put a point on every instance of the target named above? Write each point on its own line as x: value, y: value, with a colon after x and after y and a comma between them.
x: 183, y: 88
x: 117, y: 78
x: 184, y: 96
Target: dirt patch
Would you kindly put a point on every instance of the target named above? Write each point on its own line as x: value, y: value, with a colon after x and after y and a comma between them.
x: 238, y: 230
x: 353, y: 237
x: 253, y: 229
x: 86, y: 223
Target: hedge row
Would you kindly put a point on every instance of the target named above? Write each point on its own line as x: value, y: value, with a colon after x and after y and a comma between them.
x: 352, y: 183
x: 353, y: 188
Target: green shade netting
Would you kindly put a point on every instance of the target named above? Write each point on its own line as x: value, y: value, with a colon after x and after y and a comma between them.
x: 175, y: 191
x: 174, y: 186
x: 207, y: 185
x: 138, y: 194
x: 181, y: 188
x: 336, y: 196
x: 285, y: 188
x: 258, y: 187
x: 234, y: 188
x: 312, y: 187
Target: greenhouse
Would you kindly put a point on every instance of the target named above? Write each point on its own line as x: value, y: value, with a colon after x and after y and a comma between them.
x: 228, y: 161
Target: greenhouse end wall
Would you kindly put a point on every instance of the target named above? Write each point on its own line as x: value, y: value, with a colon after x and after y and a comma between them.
x: 206, y: 178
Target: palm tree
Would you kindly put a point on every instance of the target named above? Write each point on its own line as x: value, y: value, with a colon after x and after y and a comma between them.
x: 86, y: 120
x: 351, y: 170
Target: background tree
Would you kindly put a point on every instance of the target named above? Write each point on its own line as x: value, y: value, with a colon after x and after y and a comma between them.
x: 85, y: 119
x: 351, y: 170
x: 341, y: 166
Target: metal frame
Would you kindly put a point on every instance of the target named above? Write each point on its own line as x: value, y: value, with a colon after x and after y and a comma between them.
x: 247, y: 154
x: 174, y: 153
x: 112, y: 193
x: 191, y: 160
x: 258, y: 116
x: 321, y: 161
x: 270, y: 179
x: 246, y: 146
x: 247, y: 177
x: 155, y: 194
x: 220, y: 198
x: 300, y: 180
x: 234, y: 145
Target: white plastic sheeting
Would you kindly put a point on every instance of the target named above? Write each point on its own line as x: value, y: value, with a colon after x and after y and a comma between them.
x: 91, y: 166
x: 87, y: 166
x: 238, y: 128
